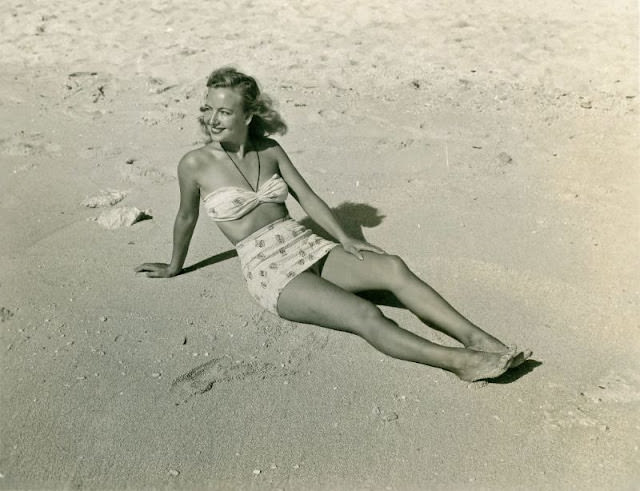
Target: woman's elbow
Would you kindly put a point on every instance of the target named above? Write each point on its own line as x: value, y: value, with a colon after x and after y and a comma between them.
x: 188, y: 217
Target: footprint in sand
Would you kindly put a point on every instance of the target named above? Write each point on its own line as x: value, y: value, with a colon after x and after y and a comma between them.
x: 203, y: 377
x: 5, y: 314
x: 571, y: 416
x: 23, y: 144
x: 86, y: 89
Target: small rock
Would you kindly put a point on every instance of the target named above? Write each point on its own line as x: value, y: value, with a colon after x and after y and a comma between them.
x: 174, y: 473
x: 103, y: 318
x: 156, y: 374
x: 390, y: 417
x: 504, y: 158
x: 105, y: 198
x: 122, y: 217
x: 256, y: 471
x: 586, y: 105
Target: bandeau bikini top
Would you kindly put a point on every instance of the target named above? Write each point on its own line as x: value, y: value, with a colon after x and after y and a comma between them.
x: 232, y: 202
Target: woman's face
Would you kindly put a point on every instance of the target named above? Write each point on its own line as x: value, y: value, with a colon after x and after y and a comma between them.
x: 224, y: 115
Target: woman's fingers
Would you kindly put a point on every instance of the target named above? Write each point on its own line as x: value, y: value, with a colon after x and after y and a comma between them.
x: 154, y: 270
x: 355, y: 248
x: 355, y: 251
x: 372, y: 248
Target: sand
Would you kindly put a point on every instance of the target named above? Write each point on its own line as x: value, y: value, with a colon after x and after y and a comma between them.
x: 494, y: 148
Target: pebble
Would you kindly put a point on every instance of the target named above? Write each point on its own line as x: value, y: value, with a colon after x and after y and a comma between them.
x: 174, y: 473
x: 122, y: 217
x: 390, y: 417
x: 156, y: 374
x: 103, y: 318
x: 106, y: 198
x: 504, y: 158
x: 256, y: 471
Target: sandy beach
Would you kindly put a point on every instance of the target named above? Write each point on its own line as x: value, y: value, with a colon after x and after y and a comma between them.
x: 495, y: 148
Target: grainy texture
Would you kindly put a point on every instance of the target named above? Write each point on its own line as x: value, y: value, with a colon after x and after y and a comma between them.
x: 494, y: 147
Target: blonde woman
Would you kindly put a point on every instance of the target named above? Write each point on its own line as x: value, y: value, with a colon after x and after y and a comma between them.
x: 242, y: 178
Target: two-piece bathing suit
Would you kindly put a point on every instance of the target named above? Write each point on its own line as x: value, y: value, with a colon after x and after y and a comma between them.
x: 274, y: 254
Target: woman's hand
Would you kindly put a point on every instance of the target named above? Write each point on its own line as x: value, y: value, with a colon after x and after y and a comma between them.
x: 157, y: 270
x: 354, y: 246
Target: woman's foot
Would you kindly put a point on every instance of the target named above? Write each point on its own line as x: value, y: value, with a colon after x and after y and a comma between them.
x: 486, y: 342
x: 480, y: 365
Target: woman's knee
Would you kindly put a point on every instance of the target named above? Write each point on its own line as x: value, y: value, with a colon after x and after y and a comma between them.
x: 366, y: 317
x: 396, y: 270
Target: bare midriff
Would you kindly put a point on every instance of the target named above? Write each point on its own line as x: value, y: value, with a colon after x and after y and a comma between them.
x: 261, y: 216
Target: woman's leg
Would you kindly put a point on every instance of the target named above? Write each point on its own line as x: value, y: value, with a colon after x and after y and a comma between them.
x: 387, y: 272
x: 313, y: 300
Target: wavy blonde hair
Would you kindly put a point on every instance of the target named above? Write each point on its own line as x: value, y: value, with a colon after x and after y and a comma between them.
x: 266, y: 120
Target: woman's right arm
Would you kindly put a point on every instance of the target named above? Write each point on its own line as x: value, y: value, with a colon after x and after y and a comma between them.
x: 184, y: 224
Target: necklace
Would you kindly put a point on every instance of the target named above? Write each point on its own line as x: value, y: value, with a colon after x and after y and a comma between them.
x: 241, y: 173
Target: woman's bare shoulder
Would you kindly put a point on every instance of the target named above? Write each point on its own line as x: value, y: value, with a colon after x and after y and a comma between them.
x: 266, y: 144
x: 271, y: 147
x: 194, y: 159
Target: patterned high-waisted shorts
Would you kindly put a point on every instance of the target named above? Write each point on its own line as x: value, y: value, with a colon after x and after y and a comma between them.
x: 275, y: 254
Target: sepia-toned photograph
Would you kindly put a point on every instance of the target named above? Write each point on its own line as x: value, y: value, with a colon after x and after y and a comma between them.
x: 301, y: 245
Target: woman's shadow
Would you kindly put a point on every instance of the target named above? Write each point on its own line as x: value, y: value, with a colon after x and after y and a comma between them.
x: 353, y: 217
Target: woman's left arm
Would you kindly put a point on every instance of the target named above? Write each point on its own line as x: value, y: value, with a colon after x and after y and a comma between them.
x: 316, y: 208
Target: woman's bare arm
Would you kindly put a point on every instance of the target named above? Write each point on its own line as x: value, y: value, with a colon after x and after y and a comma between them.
x: 184, y: 224
x: 316, y: 208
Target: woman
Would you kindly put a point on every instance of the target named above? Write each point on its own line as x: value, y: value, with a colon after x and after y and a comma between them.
x: 243, y: 178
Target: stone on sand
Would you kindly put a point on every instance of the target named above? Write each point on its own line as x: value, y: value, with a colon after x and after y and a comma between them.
x: 104, y: 198
x: 122, y: 217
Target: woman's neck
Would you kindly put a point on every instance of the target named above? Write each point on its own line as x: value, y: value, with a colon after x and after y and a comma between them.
x: 239, y: 149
